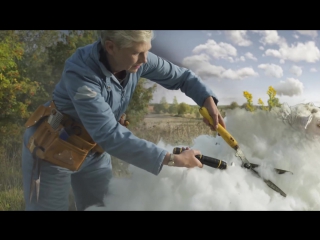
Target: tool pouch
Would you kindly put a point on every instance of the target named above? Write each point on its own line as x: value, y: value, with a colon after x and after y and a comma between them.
x: 51, y: 142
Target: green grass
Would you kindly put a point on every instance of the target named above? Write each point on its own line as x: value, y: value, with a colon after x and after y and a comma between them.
x: 11, y: 194
x: 12, y: 199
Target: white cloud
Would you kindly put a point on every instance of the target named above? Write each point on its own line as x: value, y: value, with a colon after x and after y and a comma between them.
x: 230, y: 59
x: 290, y: 87
x: 295, y: 70
x: 313, y: 70
x: 242, y: 59
x: 238, y: 37
x: 311, y: 33
x: 282, y: 61
x: 273, y: 53
x: 206, y: 32
x: 238, y: 74
x: 295, y: 36
x: 261, y: 48
x: 217, y: 50
x: 308, y: 52
x: 201, y: 66
x: 250, y: 56
x: 272, y: 70
x: 270, y: 37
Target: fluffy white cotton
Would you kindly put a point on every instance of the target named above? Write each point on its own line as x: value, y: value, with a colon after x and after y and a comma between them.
x: 264, y: 140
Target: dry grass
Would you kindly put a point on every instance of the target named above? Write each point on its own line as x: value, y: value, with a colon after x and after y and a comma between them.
x: 172, y: 130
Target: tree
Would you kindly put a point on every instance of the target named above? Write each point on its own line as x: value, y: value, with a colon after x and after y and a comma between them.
x: 16, y: 91
x: 173, y: 108
x: 138, y: 106
x: 164, y: 105
x: 175, y: 101
x: 243, y: 106
x: 157, y: 108
x: 183, y: 108
x: 234, y: 105
x: 46, y: 51
x: 36, y: 65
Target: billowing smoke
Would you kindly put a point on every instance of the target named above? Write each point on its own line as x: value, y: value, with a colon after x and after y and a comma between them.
x: 264, y: 140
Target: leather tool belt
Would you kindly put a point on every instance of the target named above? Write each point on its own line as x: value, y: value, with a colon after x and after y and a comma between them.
x: 59, y: 139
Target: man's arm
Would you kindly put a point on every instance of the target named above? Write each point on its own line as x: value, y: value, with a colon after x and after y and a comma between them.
x: 99, y: 120
x: 173, y: 77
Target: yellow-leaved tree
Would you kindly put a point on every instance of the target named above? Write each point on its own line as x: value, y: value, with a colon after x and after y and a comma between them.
x: 261, y: 104
x: 249, y: 104
x: 16, y: 91
x: 272, y: 101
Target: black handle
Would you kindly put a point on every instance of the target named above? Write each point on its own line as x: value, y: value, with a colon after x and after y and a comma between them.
x: 209, y: 161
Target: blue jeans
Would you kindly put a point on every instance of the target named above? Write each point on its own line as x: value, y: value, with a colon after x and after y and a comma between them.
x: 89, y: 184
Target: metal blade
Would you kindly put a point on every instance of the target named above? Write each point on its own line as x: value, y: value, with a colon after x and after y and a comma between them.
x: 274, y: 187
x: 244, y: 160
x: 270, y: 184
x: 279, y: 171
x: 247, y: 164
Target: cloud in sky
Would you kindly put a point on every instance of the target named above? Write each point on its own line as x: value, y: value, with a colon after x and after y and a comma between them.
x: 272, y: 70
x: 239, y: 74
x: 270, y: 37
x: 258, y: 58
x: 311, y: 33
x: 249, y: 55
x: 217, y: 50
x: 308, y: 52
x: 200, y: 65
x: 295, y: 70
x: 242, y: 58
x: 238, y: 37
x: 289, y: 87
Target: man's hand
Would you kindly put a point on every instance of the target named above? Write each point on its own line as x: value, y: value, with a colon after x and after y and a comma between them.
x: 185, y: 159
x: 214, y: 113
x: 123, y: 121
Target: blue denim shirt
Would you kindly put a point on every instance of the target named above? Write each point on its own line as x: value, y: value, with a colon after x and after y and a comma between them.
x: 92, y: 95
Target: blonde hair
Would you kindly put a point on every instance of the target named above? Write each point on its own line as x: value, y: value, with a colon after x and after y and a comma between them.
x: 125, y: 38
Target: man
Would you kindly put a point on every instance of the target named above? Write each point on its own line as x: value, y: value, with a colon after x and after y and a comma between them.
x: 94, y: 91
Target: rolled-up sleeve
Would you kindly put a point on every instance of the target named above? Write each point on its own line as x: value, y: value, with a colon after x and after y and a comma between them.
x: 173, y: 77
x: 97, y: 117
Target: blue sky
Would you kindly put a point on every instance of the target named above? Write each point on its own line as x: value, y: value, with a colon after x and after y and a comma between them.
x: 231, y: 62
